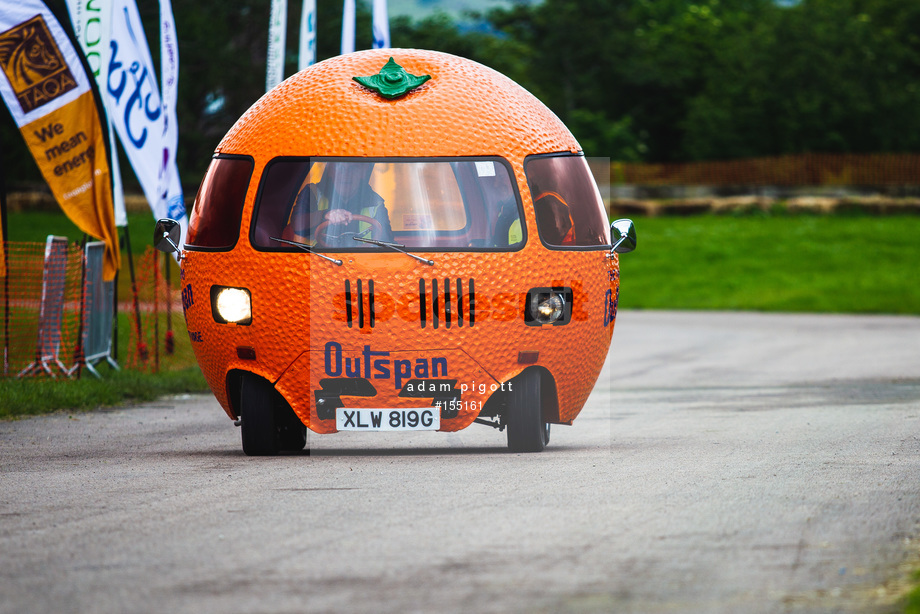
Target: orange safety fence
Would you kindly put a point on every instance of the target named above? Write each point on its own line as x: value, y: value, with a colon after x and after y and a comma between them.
x: 44, y: 296
x: 158, y: 338
x: 42, y: 304
x: 807, y: 169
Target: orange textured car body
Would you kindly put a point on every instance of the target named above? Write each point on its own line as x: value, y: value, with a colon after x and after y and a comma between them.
x: 301, y: 329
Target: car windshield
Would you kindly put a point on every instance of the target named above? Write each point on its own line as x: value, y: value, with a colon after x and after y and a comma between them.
x: 427, y: 204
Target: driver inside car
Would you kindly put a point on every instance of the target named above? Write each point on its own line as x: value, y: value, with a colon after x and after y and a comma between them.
x: 338, y: 208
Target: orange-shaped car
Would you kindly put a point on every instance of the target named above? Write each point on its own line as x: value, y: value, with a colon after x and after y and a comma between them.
x: 399, y: 240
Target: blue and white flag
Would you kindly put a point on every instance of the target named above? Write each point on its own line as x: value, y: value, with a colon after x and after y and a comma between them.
x: 381, y: 25
x: 348, y: 27
x: 277, y: 29
x: 133, y: 100
x: 307, y: 35
x: 170, y: 187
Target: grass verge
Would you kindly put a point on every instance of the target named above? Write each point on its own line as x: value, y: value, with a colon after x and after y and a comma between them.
x: 34, y: 396
x: 775, y: 262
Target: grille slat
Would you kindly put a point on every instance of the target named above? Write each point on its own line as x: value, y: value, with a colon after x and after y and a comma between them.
x: 434, y: 302
x: 360, y: 306
x: 459, y: 302
x: 422, y: 302
x: 370, y: 302
x: 458, y: 308
x: 447, y: 302
x: 348, y: 311
x: 472, y: 304
x: 354, y: 298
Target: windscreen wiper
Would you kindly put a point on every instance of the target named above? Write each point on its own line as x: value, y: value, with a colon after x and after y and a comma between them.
x: 395, y: 247
x: 307, y: 249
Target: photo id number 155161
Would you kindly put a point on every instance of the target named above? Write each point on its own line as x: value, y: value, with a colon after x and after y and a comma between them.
x: 404, y: 419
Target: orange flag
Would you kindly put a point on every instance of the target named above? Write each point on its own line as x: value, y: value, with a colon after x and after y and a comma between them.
x: 50, y: 96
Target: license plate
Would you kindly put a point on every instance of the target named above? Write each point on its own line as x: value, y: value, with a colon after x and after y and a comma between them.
x: 402, y: 419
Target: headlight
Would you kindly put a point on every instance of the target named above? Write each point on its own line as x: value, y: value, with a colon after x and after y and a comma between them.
x: 548, y: 306
x: 231, y: 305
x: 547, y: 309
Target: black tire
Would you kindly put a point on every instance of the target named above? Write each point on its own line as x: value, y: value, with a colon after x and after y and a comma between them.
x: 293, y: 435
x: 527, y: 431
x: 257, y: 412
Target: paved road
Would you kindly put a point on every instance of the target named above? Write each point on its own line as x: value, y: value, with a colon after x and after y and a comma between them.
x: 725, y: 463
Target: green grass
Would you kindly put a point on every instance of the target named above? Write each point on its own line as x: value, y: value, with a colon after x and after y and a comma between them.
x: 178, y: 374
x: 780, y: 262
x: 26, y: 397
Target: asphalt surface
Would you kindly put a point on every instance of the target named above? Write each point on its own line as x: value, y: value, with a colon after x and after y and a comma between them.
x: 725, y: 463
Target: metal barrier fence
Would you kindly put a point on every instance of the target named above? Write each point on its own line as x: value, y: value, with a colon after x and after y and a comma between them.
x: 98, y: 310
x: 42, y: 305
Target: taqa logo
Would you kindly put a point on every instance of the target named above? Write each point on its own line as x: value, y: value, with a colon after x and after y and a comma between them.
x: 34, y: 65
x: 375, y: 364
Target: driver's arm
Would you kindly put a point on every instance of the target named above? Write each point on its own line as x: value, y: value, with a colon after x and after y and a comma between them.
x: 339, y: 216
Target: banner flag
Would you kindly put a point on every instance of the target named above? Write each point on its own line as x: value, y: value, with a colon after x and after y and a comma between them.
x: 348, y: 27
x: 50, y: 96
x: 170, y: 185
x: 118, y: 190
x: 381, y: 25
x: 133, y: 100
x: 277, y: 29
x: 307, y: 35
x: 92, y: 25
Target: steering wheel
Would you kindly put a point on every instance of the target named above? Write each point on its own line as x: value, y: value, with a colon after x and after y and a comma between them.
x: 320, y: 236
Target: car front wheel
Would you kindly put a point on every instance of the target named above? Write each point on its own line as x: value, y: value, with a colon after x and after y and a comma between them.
x: 257, y: 413
x: 527, y: 431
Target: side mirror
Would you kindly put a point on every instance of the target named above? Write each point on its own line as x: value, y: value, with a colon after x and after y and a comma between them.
x: 623, y: 233
x: 166, y: 236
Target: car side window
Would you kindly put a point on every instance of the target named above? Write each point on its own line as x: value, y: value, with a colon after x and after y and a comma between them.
x: 218, y: 209
x: 569, y: 209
